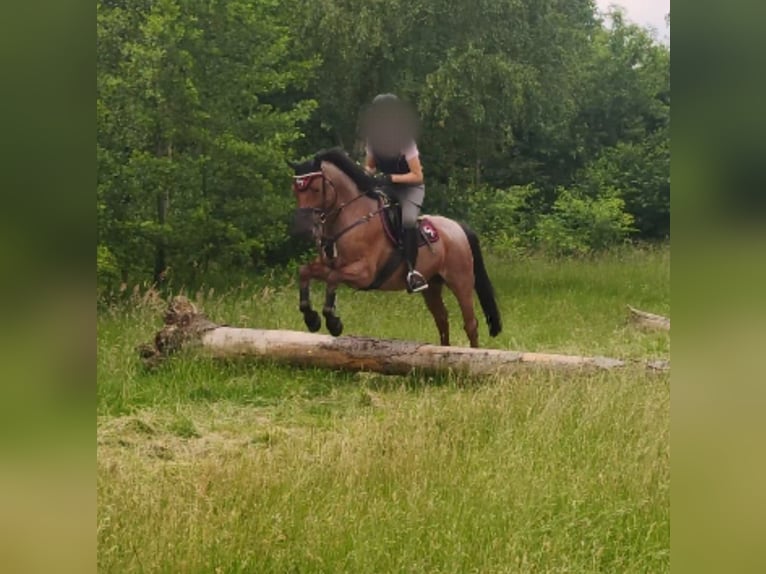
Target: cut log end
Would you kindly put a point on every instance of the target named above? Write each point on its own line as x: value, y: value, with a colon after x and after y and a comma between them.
x: 184, y: 324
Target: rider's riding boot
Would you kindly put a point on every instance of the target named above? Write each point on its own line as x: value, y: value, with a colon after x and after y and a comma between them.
x: 415, y: 281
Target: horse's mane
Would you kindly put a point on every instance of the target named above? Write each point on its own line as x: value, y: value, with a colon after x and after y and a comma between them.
x: 340, y: 159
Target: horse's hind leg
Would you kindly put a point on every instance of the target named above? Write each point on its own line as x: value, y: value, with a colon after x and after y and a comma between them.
x: 463, y: 290
x: 435, y: 303
x: 334, y: 324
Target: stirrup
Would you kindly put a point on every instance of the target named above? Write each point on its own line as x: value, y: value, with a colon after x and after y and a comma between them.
x: 411, y: 277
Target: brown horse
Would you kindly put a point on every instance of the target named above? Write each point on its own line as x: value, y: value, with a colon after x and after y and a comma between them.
x: 338, y: 206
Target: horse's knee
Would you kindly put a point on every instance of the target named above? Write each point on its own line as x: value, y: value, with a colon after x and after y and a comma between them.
x: 310, y: 271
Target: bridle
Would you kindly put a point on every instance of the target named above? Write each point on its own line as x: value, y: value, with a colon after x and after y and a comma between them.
x: 302, y: 183
x: 329, y: 213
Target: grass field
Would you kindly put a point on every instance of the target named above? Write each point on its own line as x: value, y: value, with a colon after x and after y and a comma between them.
x: 206, y: 466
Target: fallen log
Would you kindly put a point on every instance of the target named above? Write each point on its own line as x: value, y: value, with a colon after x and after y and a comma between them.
x: 649, y: 320
x: 184, y: 324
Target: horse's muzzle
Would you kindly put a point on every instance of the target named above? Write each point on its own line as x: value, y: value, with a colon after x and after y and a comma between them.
x: 303, y: 222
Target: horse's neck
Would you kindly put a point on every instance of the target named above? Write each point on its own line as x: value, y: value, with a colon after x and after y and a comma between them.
x: 354, y: 206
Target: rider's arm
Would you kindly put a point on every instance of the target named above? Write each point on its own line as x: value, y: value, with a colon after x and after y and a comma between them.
x: 416, y: 172
x: 369, y: 163
x: 369, y: 160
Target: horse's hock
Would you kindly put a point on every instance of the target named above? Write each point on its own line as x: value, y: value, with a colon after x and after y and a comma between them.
x: 185, y: 325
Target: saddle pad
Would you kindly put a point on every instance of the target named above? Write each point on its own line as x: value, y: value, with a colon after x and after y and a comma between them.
x: 391, y: 225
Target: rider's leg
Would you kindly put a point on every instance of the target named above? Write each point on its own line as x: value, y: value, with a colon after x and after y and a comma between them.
x: 415, y: 281
x: 411, y: 202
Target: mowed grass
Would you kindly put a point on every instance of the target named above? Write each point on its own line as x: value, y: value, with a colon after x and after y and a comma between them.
x: 210, y: 466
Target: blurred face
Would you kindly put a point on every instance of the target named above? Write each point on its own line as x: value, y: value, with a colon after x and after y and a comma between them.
x: 389, y: 126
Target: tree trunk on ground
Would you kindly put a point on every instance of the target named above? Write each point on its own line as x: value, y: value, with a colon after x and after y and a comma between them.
x: 184, y: 324
x: 649, y: 320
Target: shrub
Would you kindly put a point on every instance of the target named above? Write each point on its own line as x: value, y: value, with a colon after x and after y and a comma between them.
x: 504, y: 218
x: 107, y: 270
x: 640, y: 172
x: 580, y: 225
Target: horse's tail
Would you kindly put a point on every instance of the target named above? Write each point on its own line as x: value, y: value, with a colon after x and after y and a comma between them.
x: 483, y: 285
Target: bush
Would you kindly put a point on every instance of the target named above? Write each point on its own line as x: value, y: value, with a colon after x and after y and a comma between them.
x: 574, y: 221
x: 504, y: 218
x: 640, y: 172
x: 107, y: 270
x: 580, y: 225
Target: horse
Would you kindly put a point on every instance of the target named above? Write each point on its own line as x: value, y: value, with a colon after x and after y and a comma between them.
x: 339, y: 206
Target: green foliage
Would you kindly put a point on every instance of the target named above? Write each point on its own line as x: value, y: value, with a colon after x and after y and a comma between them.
x: 200, y: 103
x: 107, y: 269
x: 505, y: 217
x: 640, y: 174
x: 192, y: 140
x: 580, y: 225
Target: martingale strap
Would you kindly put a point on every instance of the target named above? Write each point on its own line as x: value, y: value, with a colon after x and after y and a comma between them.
x: 361, y: 221
x: 329, y: 243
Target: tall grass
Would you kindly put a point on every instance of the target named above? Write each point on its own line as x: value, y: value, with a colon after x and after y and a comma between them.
x: 208, y: 466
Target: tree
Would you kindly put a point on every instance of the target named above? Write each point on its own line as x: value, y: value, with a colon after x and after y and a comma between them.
x: 191, y: 152
x: 201, y: 102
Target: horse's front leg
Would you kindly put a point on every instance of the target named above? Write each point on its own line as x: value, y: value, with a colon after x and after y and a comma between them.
x: 313, y: 270
x: 334, y: 324
x: 357, y: 274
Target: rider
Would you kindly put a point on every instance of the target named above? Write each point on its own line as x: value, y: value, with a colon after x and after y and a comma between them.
x: 392, y: 155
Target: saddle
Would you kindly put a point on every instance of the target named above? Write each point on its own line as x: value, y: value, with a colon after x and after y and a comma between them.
x: 391, y: 217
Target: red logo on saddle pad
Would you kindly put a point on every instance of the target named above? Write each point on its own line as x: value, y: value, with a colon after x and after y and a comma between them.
x: 429, y: 231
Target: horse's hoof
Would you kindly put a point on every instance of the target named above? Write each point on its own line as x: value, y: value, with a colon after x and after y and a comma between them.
x: 335, y: 326
x: 312, y: 320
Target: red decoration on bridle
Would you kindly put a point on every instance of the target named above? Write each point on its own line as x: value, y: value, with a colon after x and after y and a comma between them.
x: 302, y: 182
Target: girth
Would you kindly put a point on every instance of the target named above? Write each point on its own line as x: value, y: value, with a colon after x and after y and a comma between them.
x: 385, y: 272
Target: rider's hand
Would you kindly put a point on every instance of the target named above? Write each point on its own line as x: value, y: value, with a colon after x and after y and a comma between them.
x: 382, y: 179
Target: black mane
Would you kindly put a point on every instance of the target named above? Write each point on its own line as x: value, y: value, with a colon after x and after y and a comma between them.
x: 304, y: 167
x: 340, y: 159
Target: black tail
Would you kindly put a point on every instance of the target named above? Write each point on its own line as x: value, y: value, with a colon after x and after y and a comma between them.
x: 483, y: 285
